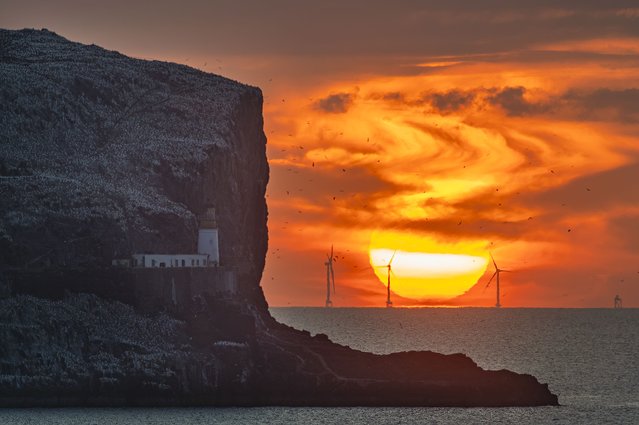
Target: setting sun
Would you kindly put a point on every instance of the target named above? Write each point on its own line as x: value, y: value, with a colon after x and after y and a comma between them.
x: 423, y: 268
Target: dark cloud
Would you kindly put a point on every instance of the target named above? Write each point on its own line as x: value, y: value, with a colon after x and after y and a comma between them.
x: 595, y: 192
x: 337, y: 103
x: 460, y: 226
x: 451, y: 101
x: 357, y: 27
x: 393, y: 97
x: 357, y: 189
x: 626, y: 230
x: 602, y: 104
x: 325, y: 181
x: 511, y: 100
x: 465, y: 149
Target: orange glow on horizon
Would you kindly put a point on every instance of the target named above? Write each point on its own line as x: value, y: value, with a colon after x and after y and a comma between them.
x: 467, y: 156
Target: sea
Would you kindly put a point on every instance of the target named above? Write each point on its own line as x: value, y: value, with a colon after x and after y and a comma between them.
x: 589, y: 357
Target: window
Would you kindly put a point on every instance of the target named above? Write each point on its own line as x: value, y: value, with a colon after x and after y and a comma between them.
x: 152, y: 263
x: 197, y: 262
x: 183, y: 263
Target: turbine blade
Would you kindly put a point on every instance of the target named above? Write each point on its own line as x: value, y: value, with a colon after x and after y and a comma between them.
x: 491, y: 279
x: 331, y: 250
x: 333, y: 278
x: 491, y: 257
x: 392, y: 258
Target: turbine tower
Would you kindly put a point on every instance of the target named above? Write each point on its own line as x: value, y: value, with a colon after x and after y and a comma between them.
x: 497, y: 272
x: 389, y: 303
x: 330, y: 277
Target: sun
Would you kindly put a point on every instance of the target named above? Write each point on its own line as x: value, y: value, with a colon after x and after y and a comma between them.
x: 424, y: 268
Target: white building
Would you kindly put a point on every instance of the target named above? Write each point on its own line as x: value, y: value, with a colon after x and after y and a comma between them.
x: 207, y: 248
x: 170, y: 260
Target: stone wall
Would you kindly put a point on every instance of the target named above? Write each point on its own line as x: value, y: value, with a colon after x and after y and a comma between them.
x: 176, y: 290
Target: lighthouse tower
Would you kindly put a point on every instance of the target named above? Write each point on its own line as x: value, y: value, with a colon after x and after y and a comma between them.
x: 207, y: 242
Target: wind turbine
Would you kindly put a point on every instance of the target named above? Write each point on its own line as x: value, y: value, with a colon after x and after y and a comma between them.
x: 497, y: 272
x: 330, y: 277
x: 389, y: 303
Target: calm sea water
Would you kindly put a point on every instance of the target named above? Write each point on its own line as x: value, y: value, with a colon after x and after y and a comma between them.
x: 590, y: 357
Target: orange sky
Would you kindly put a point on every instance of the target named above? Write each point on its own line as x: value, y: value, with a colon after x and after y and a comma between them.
x: 425, y: 128
x: 539, y: 168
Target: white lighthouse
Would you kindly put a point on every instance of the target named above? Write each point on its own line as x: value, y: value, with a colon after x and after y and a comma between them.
x: 207, y: 242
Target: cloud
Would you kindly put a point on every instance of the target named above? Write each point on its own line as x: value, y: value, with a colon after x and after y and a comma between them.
x: 390, y: 97
x: 595, y: 192
x: 337, y: 103
x: 459, y: 227
x: 598, y: 104
x: 511, y: 100
x: 603, y: 104
x: 626, y: 230
x: 410, y: 27
x: 451, y: 101
x: 324, y: 194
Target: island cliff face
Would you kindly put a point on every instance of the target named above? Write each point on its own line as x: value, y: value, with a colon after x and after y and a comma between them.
x: 103, y: 156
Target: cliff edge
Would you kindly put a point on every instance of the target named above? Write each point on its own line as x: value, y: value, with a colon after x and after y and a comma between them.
x: 104, y: 156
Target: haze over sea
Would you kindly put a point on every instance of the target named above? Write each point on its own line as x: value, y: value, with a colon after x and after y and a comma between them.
x: 589, y: 357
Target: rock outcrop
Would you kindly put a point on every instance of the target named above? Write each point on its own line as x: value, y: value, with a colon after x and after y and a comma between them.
x: 103, y: 156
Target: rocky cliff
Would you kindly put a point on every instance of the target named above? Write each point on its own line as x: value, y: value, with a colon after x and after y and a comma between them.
x: 103, y: 156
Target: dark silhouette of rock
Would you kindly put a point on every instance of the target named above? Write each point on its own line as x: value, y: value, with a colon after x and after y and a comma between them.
x: 104, y: 156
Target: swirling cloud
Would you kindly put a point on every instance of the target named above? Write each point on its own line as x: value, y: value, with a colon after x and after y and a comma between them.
x: 524, y: 166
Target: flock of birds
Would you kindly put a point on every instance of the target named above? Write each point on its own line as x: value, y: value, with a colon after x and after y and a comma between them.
x: 329, y: 264
x: 331, y: 258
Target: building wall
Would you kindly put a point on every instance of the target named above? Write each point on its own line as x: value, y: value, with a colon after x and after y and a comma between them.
x: 169, y: 260
x: 149, y: 289
x: 177, y: 289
